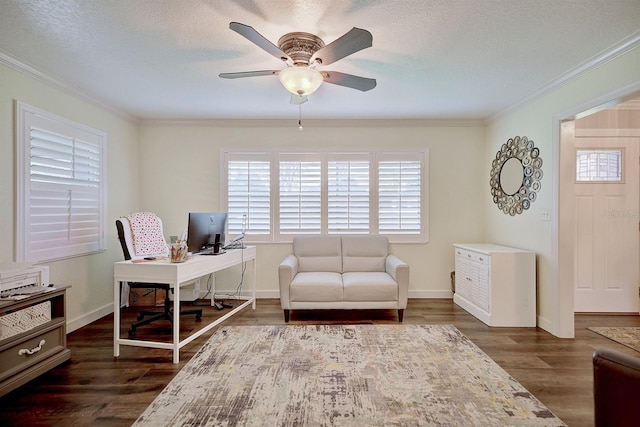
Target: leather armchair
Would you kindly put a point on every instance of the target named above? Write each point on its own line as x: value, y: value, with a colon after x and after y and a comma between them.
x: 616, y: 388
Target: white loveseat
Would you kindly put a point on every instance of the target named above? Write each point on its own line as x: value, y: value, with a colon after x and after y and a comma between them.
x: 342, y: 272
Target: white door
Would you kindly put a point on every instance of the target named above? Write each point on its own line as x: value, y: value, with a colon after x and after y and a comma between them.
x: 607, y: 250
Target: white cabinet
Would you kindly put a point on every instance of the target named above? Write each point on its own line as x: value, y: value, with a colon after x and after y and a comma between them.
x: 497, y: 284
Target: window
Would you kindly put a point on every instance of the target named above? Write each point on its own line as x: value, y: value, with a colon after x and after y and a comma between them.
x: 248, y: 190
x: 348, y: 191
x: 399, y: 200
x: 275, y: 195
x: 599, y: 165
x: 61, y: 187
x: 300, y: 195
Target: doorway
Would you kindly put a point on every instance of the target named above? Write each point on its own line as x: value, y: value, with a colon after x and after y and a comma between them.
x: 604, y: 209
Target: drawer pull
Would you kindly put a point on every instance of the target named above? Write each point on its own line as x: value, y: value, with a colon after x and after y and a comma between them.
x: 36, y: 349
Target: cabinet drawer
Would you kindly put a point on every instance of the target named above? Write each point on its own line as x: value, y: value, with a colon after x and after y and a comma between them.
x: 15, y: 357
x: 472, y: 256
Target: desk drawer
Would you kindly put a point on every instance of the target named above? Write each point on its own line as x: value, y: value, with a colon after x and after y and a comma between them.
x: 15, y: 357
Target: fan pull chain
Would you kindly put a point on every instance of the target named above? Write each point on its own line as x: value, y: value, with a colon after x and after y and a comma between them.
x: 300, y: 128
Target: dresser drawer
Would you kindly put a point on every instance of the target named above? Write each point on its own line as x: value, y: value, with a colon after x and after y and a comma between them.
x: 18, y: 355
x: 482, y: 258
x: 472, y: 256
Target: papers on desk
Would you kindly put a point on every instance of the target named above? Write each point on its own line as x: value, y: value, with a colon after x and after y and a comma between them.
x: 135, y: 261
x: 25, y: 292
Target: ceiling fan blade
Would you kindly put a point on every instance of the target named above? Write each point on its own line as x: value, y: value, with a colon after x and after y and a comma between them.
x: 356, y: 39
x: 297, y: 99
x: 258, y: 39
x: 348, y: 80
x: 249, y: 74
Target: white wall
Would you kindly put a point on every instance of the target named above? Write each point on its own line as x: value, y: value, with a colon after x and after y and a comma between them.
x: 91, y: 277
x: 180, y: 173
x: 535, y: 119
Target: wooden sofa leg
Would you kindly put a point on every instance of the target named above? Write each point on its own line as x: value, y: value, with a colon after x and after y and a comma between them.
x: 286, y: 316
x: 400, y: 314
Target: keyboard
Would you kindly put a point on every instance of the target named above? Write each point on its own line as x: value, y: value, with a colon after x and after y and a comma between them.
x: 211, y: 252
x: 235, y: 245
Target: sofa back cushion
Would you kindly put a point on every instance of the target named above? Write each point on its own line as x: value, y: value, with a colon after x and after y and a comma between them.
x: 364, y: 253
x: 318, y: 253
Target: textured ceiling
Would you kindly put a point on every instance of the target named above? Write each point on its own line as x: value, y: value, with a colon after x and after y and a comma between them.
x: 433, y: 59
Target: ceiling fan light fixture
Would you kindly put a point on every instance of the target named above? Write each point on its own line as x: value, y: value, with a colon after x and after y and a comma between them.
x: 301, y: 80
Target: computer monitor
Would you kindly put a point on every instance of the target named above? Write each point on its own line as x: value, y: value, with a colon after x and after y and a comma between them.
x: 203, y: 228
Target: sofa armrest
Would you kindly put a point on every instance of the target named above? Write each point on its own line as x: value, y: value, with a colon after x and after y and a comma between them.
x: 287, y: 270
x: 399, y: 270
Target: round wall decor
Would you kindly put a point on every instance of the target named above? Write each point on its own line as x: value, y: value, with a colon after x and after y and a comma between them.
x: 516, y: 173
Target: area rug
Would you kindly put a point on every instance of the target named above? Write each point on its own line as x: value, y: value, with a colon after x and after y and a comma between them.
x: 625, y: 335
x: 344, y: 375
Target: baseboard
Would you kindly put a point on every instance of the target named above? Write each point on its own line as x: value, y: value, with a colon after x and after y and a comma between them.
x: 105, y: 310
x: 90, y: 317
x: 428, y: 294
x: 545, y: 324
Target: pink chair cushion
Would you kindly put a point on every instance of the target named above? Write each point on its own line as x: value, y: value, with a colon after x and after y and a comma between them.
x: 146, y: 230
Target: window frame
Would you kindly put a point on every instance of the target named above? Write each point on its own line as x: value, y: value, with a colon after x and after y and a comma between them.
x: 74, y: 246
x: 324, y: 156
x: 587, y: 178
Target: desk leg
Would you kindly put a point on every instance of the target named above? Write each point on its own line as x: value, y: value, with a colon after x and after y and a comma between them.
x: 116, y: 318
x: 176, y: 322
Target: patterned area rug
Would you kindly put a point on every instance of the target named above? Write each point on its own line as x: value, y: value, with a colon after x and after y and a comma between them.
x: 625, y: 335
x: 344, y: 375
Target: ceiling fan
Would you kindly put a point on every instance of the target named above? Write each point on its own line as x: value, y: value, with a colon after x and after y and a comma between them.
x: 303, y: 52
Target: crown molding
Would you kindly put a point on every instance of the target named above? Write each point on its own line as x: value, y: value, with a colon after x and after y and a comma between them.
x: 32, y: 72
x: 617, y: 50
x: 312, y: 123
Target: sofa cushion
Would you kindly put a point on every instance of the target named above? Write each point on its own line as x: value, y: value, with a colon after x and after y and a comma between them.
x: 318, y: 253
x: 369, y: 286
x: 316, y: 286
x: 364, y: 253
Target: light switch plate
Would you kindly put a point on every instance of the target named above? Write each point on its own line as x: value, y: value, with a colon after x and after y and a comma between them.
x: 546, y: 215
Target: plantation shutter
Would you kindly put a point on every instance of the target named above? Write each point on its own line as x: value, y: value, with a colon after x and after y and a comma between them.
x: 399, y: 196
x: 249, y: 195
x: 287, y: 192
x: 348, y: 194
x: 62, y: 181
x: 300, y: 196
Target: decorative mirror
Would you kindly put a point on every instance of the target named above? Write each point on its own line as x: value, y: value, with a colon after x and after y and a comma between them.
x: 516, y: 173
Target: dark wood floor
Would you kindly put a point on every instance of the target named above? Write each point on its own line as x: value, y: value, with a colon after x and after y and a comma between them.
x: 96, y: 389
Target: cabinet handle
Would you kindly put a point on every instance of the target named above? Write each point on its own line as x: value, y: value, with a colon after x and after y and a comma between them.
x: 36, y: 349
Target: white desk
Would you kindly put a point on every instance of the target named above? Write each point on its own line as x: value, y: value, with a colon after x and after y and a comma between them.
x: 177, y: 275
